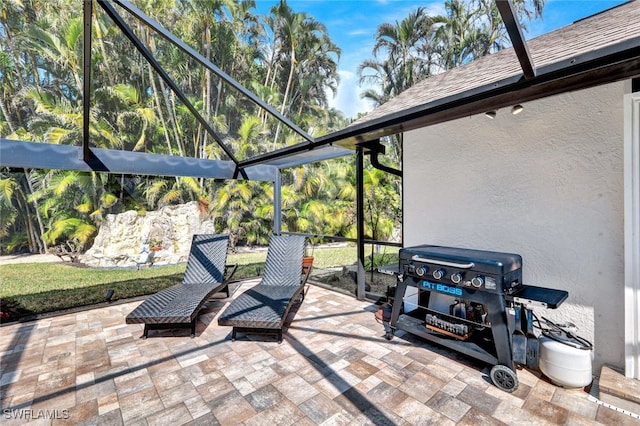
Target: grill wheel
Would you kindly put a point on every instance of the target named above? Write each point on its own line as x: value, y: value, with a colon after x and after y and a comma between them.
x: 504, y: 378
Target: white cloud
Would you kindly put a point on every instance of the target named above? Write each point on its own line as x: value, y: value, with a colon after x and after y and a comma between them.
x: 436, y: 8
x: 360, y: 32
x: 348, y: 98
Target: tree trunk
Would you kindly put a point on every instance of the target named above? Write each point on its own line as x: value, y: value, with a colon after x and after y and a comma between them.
x: 152, y: 47
x: 286, y: 93
x: 33, y: 239
x: 156, y: 100
x: 5, y: 112
x: 42, y: 245
x: 103, y: 51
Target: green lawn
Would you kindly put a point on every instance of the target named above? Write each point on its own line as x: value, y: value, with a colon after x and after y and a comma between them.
x: 35, y: 288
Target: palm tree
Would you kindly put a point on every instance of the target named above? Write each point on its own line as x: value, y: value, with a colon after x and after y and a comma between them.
x: 406, y: 43
x: 244, y: 209
x: 472, y: 29
x: 64, y: 51
x: 318, y: 198
x: 59, y: 121
x: 304, y: 49
x: 382, y: 204
x: 160, y: 192
x: 380, y: 76
x: 460, y: 39
x: 8, y: 60
x: 74, y: 203
x: 17, y: 227
x: 133, y: 120
x: 250, y: 134
x: 406, y: 52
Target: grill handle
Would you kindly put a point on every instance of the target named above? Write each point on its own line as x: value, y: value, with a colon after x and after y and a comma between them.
x: 444, y: 263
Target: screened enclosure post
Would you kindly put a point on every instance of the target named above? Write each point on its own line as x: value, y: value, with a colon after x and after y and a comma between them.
x: 277, y: 203
x: 360, y: 289
x: 86, y: 79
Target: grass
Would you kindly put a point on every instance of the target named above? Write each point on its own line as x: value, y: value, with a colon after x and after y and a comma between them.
x: 37, y: 288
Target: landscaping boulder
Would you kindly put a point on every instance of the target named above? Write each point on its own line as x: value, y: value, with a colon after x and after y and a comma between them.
x: 132, y: 239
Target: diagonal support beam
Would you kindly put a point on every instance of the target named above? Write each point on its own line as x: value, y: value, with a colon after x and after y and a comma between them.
x: 127, y: 31
x: 208, y: 64
x: 517, y: 40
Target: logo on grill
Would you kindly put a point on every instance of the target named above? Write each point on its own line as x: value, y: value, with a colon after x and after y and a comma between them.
x: 441, y: 288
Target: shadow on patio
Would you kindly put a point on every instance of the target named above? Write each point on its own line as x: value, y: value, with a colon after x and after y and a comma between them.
x: 332, y: 368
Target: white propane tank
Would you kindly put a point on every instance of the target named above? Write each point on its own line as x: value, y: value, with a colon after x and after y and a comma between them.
x: 565, y: 360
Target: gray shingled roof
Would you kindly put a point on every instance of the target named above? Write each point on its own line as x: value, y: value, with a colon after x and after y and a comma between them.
x: 618, y: 25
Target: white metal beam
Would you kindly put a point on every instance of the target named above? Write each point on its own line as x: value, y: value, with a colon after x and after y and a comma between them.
x: 20, y: 154
x: 632, y: 234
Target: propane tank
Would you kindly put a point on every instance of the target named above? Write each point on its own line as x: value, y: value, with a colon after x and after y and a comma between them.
x: 566, y: 359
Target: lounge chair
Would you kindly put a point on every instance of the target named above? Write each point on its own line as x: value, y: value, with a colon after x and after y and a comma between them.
x: 263, y: 308
x: 178, y: 306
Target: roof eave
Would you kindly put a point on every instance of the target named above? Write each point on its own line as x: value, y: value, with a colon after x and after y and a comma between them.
x: 613, y: 63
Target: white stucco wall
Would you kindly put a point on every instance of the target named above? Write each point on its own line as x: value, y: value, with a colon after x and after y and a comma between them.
x: 547, y: 184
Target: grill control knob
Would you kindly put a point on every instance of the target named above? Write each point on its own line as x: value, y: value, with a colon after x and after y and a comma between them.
x: 456, y: 277
x: 421, y: 271
x: 438, y: 273
x: 477, y: 281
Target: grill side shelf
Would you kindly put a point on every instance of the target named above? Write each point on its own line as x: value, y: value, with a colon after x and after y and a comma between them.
x: 529, y: 295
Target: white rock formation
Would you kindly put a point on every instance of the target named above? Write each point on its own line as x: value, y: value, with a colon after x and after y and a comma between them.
x: 121, y: 236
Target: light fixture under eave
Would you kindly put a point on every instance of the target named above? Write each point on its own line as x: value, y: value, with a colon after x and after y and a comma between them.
x: 517, y: 109
x: 491, y: 114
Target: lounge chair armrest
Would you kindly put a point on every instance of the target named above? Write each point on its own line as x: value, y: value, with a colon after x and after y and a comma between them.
x: 228, y: 275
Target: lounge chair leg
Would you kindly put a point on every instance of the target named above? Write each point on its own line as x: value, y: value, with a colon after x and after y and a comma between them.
x: 145, y: 333
x: 193, y: 328
x: 233, y: 335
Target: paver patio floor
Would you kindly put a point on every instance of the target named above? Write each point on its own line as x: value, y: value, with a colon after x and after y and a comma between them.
x: 334, y: 367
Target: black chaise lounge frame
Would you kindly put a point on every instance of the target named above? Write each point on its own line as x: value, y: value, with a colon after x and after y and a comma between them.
x: 178, y: 306
x: 263, y: 308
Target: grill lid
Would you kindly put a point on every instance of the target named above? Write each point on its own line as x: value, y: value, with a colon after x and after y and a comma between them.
x: 491, y: 262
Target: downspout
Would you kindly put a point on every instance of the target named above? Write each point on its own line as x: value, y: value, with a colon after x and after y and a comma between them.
x: 376, y: 164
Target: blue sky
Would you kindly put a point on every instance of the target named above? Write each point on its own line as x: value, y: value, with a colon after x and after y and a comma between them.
x: 352, y: 26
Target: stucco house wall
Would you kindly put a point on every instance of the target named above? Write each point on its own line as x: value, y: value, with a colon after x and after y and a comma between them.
x: 547, y: 184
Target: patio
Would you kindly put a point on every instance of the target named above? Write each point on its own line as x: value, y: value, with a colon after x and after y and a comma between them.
x: 332, y: 368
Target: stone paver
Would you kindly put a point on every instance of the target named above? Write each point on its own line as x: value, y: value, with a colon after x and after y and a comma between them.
x: 334, y: 367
